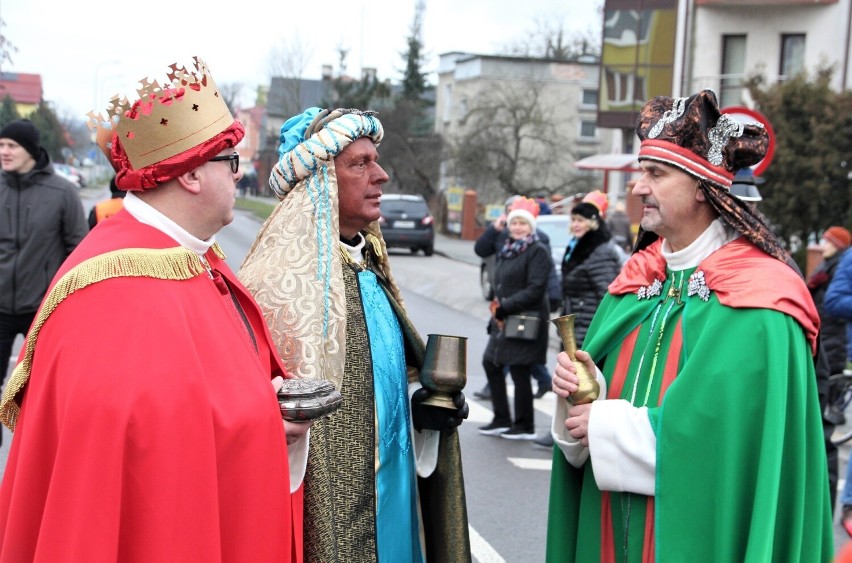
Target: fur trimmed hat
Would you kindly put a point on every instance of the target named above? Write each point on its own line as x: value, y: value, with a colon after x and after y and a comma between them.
x: 587, y: 210
x: 693, y: 135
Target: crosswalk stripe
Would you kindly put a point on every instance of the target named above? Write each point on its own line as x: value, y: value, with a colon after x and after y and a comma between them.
x: 481, y: 550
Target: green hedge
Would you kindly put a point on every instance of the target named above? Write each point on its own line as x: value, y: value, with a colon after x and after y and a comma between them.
x: 260, y: 209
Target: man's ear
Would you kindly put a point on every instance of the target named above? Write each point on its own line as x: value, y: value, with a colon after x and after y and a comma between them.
x: 700, y: 196
x: 190, y: 181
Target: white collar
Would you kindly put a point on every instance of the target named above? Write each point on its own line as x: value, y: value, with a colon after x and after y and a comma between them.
x: 713, y: 238
x: 146, y: 214
x: 355, y: 252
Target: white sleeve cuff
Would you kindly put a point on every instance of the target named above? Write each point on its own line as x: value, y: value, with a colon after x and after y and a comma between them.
x: 425, y: 443
x: 297, y: 455
x: 623, y: 447
x: 575, y: 453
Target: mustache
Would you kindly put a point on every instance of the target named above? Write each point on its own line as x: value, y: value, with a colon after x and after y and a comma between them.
x: 648, y: 200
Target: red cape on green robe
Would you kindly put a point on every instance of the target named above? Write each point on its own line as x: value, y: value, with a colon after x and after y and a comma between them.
x: 148, y: 429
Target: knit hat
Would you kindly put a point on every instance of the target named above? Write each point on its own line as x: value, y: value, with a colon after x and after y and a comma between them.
x: 839, y: 237
x: 522, y: 214
x: 745, y: 185
x: 694, y: 136
x: 24, y: 133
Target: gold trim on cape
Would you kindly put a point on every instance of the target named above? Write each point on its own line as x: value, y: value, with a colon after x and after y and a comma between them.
x: 165, y: 264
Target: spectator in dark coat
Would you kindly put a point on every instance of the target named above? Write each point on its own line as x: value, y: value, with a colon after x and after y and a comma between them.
x: 591, y: 261
x: 838, y: 303
x: 832, y: 329
x: 590, y: 264
x: 489, y: 244
x: 520, y: 287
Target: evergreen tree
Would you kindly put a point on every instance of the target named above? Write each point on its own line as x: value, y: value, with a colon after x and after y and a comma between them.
x: 53, y: 136
x: 8, y: 111
x: 807, y: 185
x: 414, y: 79
x: 346, y: 92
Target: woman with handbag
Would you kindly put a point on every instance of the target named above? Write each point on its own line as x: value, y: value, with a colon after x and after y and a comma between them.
x: 519, y: 324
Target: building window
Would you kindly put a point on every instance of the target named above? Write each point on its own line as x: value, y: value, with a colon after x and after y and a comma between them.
x: 589, y: 98
x: 792, y: 55
x: 588, y: 129
x: 448, y: 102
x: 733, y: 69
x: 624, y: 89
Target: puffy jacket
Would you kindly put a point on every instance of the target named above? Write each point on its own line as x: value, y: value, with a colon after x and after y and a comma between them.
x: 42, y: 222
x: 587, y: 271
x: 838, y: 297
x: 832, y: 329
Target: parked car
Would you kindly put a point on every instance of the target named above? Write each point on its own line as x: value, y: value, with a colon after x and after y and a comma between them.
x: 556, y: 227
x: 407, y: 223
x: 70, y: 173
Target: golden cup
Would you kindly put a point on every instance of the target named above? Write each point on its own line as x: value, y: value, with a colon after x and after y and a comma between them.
x: 589, y: 388
x: 444, y: 370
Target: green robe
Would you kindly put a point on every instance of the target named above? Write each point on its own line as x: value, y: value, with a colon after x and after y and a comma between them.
x: 731, y: 394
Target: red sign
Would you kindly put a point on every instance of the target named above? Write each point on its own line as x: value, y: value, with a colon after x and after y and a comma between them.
x: 746, y: 115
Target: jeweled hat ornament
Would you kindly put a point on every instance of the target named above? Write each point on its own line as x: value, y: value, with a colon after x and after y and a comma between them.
x: 169, y: 130
x: 694, y: 136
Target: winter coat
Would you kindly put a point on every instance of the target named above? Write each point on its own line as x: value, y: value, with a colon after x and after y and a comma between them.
x: 832, y: 329
x: 491, y: 241
x: 42, y: 222
x: 587, y: 271
x: 838, y: 298
x: 520, y: 285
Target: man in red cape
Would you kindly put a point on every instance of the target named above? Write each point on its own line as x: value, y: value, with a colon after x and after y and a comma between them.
x: 145, y: 418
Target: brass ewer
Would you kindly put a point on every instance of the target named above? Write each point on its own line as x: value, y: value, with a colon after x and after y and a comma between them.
x: 444, y: 370
x: 589, y: 387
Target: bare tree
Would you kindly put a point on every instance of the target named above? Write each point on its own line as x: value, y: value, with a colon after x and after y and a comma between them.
x: 290, y: 56
x: 511, y: 143
x: 288, y: 59
x: 549, y: 39
x: 231, y: 92
x: 6, y: 47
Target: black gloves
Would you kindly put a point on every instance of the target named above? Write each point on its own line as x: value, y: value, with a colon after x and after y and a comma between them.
x: 429, y: 417
x: 500, y: 314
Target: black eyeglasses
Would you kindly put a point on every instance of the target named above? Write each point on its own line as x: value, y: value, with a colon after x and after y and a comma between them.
x: 233, y: 158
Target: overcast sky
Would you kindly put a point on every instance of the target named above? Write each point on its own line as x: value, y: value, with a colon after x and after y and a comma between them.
x: 88, y: 50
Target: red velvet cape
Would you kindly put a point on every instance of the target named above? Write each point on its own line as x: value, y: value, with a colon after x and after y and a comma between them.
x: 148, y: 429
x: 741, y: 275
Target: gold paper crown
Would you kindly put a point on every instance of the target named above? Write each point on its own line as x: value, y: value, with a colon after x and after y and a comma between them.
x: 166, y: 120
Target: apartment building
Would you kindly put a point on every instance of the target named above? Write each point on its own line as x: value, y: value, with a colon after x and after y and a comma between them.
x: 565, y: 93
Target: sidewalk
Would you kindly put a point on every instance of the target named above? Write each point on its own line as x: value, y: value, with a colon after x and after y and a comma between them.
x: 456, y: 249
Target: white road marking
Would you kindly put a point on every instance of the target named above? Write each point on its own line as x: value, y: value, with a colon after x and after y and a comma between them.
x: 531, y: 463
x: 481, y: 549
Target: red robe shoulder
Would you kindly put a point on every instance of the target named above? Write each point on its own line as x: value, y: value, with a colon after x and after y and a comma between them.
x: 740, y: 274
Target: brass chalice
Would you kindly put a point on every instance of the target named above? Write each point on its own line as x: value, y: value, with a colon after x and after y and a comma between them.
x: 444, y: 370
x: 589, y: 388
